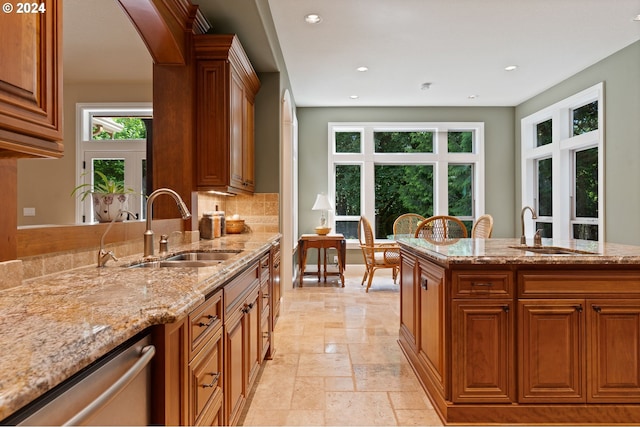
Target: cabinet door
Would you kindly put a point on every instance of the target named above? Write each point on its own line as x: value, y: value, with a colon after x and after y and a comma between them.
x: 408, y: 299
x: 431, y: 336
x: 237, y: 132
x: 551, y: 351
x: 31, y: 82
x: 614, y: 343
x: 483, y: 351
x: 235, y: 366
x: 253, y: 337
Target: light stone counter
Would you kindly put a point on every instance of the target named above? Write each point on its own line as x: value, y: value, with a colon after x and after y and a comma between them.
x: 53, y: 326
x: 504, y: 251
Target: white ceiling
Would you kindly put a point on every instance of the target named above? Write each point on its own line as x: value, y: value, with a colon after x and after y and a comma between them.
x: 459, y: 46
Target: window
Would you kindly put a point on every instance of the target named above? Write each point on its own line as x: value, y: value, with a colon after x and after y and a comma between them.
x: 562, y: 164
x: 383, y: 170
x: 111, y: 138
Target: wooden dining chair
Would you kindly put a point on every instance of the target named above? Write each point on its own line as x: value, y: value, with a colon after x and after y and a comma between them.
x: 441, y: 229
x: 376, y: 255
x: 406, y: 224
x: 483, y: 227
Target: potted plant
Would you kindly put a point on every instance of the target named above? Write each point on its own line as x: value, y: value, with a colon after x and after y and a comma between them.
x: 110, y: 198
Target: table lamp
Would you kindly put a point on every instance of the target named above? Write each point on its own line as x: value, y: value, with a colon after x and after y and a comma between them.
x: 323, y: 205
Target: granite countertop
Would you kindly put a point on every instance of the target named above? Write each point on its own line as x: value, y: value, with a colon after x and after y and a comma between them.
x: 55, y: 325
x: 505, y: 251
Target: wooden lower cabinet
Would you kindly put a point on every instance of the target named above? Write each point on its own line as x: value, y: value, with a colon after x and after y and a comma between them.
x: 207, y: 363
x: 482, y: 356
x: 511, y: 344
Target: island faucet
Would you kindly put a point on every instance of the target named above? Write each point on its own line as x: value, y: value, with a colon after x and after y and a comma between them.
x: 523, y: 239
x: 103, y: 254
x: 148, y: 234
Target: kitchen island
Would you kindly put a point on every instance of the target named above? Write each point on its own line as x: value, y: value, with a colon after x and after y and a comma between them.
x: 54, y: 326
x: 498, y: 333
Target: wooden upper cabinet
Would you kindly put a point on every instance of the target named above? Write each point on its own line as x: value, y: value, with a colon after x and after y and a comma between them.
x: 31, y: 82
x: 226, y: 86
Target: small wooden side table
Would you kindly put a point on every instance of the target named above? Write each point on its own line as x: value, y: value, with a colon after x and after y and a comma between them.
x: 322, y: 243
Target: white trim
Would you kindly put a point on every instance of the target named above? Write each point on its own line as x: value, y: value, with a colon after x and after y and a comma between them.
x: 439, y: 159
x: 561, y: 150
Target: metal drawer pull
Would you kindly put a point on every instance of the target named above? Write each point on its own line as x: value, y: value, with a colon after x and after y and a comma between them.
x: 146, y: 354
x: 425, y: 284
x: 597, y: 309
x: 248, y: 308
x: 211, y: 321
x: 214, y: 381
x: 488, y: 284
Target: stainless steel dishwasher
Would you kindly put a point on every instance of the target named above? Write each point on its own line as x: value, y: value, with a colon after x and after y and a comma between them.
x: 115, y: 390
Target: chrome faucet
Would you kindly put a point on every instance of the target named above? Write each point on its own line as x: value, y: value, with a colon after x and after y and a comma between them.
x: 148, y: 234
x: 523, y: 239
x: 103, y: 254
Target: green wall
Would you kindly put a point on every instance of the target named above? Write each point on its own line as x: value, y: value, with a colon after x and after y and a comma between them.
x: 620, y: 73
x: 267, y: 134
x: 499, y: 154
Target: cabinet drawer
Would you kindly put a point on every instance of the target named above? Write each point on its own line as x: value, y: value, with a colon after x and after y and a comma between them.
x: 237, y: 289
x: 205, y: 372
x: 485, y: 283
x: 204, y: 320
x: 264, y: 269
x: 578, y: 283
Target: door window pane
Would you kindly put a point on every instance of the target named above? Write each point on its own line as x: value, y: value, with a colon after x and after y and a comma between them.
x: 401, y: 189
x: 543, y: 133
x: 117, y: 128
x: 403, y: 142
x: 461, y: 190
x: 586, y: 190
x: 348, y: 190
x: 460, y: 142
x: 585, y: 118
x: 545, y: 189
x: 348, y: 142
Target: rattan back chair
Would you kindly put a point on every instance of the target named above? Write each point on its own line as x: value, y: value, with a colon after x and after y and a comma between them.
x: 376, y: 255
x: 441, y: 229
x: 406, y: 224
x: 483, y: 227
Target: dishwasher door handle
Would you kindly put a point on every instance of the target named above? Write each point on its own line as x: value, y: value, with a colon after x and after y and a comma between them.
x: 146, y: 354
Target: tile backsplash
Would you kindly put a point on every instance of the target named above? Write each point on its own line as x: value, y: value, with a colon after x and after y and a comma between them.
x: 261, y: 211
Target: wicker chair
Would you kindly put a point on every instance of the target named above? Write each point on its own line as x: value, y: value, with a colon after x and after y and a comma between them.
x: 376, y: 255
x: 407, y: 224
x: 483, y: 227
x: 441, y: 229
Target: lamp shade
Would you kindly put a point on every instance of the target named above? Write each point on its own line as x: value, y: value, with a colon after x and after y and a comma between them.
x: 322, y: 203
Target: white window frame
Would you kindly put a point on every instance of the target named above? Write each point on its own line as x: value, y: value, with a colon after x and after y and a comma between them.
x: 562, y: 152
x: 440, y: 159
x: 86, y: 147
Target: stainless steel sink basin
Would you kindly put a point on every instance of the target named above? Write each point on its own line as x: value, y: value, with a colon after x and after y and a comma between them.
x: 189, y: 259
x: 553, y: 250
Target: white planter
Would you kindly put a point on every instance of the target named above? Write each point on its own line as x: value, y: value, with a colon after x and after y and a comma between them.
x: 107, y: 206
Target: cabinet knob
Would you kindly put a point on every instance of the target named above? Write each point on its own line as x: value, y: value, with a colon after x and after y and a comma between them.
x: 597, y: 308
x: 579, y: 308
x: 505, y: 308
x: 425, y: 284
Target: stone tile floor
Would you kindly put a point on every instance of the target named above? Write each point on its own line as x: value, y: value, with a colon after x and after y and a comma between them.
x: 337, y: 360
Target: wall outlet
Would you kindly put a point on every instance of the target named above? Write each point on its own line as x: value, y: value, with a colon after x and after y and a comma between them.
x: 29, y: 211
x: 335, y: 259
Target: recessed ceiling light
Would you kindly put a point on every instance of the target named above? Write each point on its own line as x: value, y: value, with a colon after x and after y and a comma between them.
x: 511, y: 67
x: 354, y: 96
x: 362, y: 69
x: 312, y: 18
x: 425, y: 86
x: 472, y: 96
x: 637, y: 18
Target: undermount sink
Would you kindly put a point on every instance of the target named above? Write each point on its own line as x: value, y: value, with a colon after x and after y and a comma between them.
x: 552, y: 250
x: 189, y: 259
